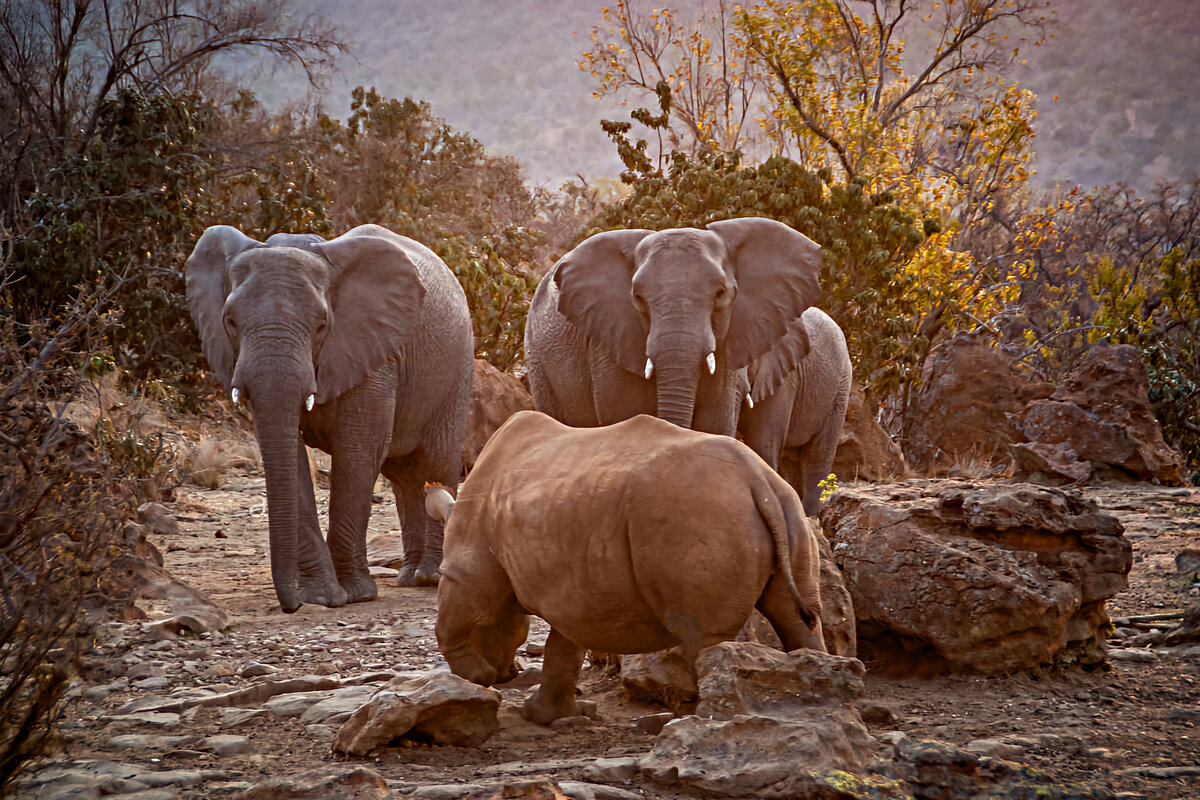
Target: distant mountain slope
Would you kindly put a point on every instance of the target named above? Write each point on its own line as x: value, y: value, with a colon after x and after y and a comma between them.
x: 1125, y: 72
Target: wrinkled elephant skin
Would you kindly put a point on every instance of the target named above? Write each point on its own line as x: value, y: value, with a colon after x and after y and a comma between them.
x: 800, y: 391
x: 665, y: 322
x: 360, y: 346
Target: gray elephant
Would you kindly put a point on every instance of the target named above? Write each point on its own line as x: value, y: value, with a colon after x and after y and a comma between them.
x: 642, y: 322
x: 602, y: 533
x: 798, y: 397
x: 360, y: 346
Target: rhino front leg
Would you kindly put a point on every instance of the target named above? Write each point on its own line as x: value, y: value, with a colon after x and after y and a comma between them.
x: 560, y: 672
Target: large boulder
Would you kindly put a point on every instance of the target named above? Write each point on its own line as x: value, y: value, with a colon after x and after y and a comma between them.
x: 951, y: 575
x: 865, y: 452
x: 495, y: 396
x: 969, y: 387
x: 769, y: 724
x: 1097, y: 424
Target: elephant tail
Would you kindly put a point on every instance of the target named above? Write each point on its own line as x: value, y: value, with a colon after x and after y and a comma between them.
x: 779, y: 521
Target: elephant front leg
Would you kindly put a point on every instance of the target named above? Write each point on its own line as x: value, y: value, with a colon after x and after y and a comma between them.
x: 555, y: 698
x: 318, y: 580
x: 352, y: 481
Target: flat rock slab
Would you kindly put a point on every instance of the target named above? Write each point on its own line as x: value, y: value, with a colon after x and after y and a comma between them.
x: 436, y: 707
x: 749, y: 679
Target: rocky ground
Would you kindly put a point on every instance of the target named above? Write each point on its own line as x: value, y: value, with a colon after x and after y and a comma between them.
x: 1129, y: 729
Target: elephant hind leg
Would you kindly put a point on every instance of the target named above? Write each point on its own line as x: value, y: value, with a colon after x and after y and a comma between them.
x: 417, y: 529
x: 804, y: 467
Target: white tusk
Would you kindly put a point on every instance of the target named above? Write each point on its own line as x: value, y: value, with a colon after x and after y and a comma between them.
x: 711, y: 360
x: 233, y: 395
x: 749, y: 400
x: 308, y: 404
x: 649, y: 368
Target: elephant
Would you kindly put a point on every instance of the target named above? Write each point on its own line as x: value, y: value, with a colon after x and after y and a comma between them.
x: 606, y: 535
x: 360, y: 346
x: 664, y: 323
x: 798, y: 397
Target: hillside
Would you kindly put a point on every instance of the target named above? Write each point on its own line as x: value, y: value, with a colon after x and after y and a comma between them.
x: 1124, y: 71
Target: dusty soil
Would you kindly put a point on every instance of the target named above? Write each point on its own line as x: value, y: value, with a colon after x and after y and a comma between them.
x: 1100, y: 727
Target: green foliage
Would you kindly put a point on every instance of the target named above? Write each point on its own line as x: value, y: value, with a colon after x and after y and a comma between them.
x: 396, y: 164
x: 118, y: 217
x: 1116, y: 265
x: 828, y: 485
x: 1160, y: 316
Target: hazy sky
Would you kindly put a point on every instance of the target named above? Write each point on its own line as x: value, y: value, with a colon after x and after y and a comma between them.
x: 505, y: 72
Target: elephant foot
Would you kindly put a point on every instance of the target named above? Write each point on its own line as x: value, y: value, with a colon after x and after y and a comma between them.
x: 543, y: 709
x: 408, y: 575
x: 321, y: 593
x: 427, y: 575
x: 360, y: 588
x: 289, y: 602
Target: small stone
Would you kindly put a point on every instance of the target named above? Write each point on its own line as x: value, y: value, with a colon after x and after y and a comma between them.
x: 611, y: 770
x: 595, y: 791
x: 150, y: 684
x: 994, y: 748
x: 224, y: 744
x: 877, y: 714
x: 149, y: 719
x: 1133, y: 656
x: 145, y: 741
x: 158, y: 519
x: 324, y: 733
x: 95, y: 694
x: 653, y: 723
x: 233, y: 717
x: 589, y: 709
x: 1187, y: 560
x: 576, y: 723
x: 256, y: 669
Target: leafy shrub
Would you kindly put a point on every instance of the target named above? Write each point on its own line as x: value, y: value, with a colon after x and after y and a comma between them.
x: 62, y: 511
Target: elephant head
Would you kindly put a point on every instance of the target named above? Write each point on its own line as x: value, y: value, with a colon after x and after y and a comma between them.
x: 677, y: 305
x: 288, y: 325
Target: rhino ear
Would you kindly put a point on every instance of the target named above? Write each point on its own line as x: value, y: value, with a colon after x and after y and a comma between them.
x: 778, y: 272
x: 595, y: 285
x: 375, y: 294
x: 769, y: 370
x: 207, y: 275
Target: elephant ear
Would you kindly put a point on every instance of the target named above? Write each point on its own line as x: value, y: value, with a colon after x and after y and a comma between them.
x: 208, y: 286
x: 778, y: 273
x: 375, y: 293
x: 768, y: 371
x: 595, y: 281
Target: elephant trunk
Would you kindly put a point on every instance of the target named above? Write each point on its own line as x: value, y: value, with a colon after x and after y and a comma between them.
x: 276, y: 405
x: 678, y: 379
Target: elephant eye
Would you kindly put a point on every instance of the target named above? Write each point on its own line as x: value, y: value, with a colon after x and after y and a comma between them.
x: 230, y: 325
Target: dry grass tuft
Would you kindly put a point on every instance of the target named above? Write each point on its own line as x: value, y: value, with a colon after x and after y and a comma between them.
x: 207, y: 461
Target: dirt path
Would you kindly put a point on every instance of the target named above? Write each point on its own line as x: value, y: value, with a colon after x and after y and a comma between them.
x: 1110, y: 728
